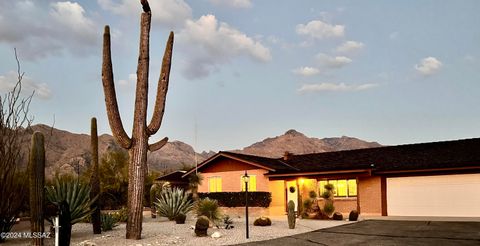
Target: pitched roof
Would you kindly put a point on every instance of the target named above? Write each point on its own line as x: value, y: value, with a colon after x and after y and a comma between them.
x: 436, y: 155
x: 464, y: 153
x: 173, y: 176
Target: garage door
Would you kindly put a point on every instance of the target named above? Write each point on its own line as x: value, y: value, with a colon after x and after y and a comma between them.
x: 443, y: 195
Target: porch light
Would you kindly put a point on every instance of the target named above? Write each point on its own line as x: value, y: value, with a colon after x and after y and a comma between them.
x: 246, y: 178
x: 301, y: 181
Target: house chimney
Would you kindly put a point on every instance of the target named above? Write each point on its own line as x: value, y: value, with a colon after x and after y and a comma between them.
x: 287, y: 155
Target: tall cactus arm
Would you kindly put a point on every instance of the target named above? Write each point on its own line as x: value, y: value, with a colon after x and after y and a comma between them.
x: 158, y: 145
x: 110, y: 95
x: 162, y: 88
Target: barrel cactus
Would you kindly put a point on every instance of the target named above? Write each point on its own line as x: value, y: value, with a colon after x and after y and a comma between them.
x: 291, y: 214
x: 201, y: 226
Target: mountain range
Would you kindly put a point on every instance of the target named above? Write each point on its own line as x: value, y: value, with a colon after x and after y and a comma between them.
x: 68, y: 152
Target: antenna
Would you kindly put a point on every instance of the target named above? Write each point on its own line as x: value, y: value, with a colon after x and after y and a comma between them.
x: 195, y: 146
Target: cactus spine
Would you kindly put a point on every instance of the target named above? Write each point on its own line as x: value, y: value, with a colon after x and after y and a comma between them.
x: 291, y: 214
x: 138, y: 143
x: 37, y: 182
x: 95, y: 179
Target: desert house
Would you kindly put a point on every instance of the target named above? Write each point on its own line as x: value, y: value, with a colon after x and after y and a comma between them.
x: 425, y: 179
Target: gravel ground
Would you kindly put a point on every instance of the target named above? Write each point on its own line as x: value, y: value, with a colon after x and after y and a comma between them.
x: 163, y: 232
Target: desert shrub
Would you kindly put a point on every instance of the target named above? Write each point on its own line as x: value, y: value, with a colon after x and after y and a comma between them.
x: 337, y: 216
x: 326, y: 194
x: 328, y: 209
x: 173, y: 201
x: 237, y: 199
x: 329, y: 187
x: 209, y: 208
x: 353, y: 216
x: 201, y: 226
x: 108, y: 221
x: 312, y: 194
x: 262, y: 221
x: 75, y: 193
x: 228, y: 222
x: 120, y: 215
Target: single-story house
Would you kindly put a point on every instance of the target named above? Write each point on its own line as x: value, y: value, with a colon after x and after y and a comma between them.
x: 174, y: 179
x: 425, y: 179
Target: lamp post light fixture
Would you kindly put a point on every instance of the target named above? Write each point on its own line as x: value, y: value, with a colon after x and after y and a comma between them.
x: 246, y: 179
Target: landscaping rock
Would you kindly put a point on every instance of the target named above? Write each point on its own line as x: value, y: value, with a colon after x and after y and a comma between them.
x: 216, y: 234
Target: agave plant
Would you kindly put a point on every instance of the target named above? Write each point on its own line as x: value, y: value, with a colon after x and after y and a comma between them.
x: 173, y: 201
x: 75, y: 193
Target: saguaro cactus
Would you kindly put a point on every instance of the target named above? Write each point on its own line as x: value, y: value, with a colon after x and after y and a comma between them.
x: 37, y: 182
x: 138, y: 143
x: 95, y: 179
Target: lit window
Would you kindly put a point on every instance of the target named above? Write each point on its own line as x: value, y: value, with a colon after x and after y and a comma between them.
x: 252, y: 183
x: 342, y: 187
x: 215, y: 184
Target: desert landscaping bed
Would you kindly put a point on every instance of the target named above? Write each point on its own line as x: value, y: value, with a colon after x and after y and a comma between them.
x: 160, y: 231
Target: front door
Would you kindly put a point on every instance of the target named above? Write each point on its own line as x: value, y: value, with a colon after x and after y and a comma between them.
x: 292, y: 193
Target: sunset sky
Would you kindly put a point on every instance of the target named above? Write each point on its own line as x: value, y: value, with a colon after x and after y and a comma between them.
x: 394, y: 72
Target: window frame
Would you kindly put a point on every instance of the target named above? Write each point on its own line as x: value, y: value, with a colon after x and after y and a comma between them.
x: 335, y: 181
x: 216, y: 180
x: 242, y: 184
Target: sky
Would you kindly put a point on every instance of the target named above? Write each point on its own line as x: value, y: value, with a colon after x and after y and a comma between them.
x: 394, y: 72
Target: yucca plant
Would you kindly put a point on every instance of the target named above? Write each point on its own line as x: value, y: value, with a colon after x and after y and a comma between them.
x: 173, y: 201
x: 209, y: 208
x: 75, y: 193
x: 108, y: 221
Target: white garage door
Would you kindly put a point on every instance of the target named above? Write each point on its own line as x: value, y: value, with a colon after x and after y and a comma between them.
x: 443, y: 195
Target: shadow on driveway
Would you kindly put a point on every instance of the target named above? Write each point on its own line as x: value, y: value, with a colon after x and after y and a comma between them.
x: 383, y: 232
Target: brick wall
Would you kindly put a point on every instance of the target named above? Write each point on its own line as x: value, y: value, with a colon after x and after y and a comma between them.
x: 370, y: 195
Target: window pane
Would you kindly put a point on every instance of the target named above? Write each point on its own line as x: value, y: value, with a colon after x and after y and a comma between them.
x: 321, y: 187
x: 219, y: 184
x: 252, y: 184
x: 341, y: 187
x: 352, y: 187
x: 211, y: 184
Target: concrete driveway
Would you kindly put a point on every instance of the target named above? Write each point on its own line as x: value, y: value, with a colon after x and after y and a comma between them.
x: 384, y: 232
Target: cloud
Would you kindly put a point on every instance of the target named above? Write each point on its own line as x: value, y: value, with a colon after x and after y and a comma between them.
x: 335, y: 87
x: 168, y: 13
x: 210, y: 43
x: 350, y: 46
x: 132, y: 79
x: 320, y: 30
x: 39, y: 29
x: 428, y: 66
x: 233, y: 3
x: 8, y: 81
x: 306, y: 71
x: 332, y: 61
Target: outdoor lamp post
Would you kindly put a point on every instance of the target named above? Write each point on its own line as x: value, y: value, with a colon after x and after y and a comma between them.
x: 246, y: 179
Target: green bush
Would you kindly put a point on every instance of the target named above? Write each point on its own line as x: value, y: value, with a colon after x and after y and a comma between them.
x: 108, y: 221
x: 328, y: 209
x: 209, y: 208
x: 312, y: 194
x: 75, y: 193
x: 237, y: 199
x: 173, y: 202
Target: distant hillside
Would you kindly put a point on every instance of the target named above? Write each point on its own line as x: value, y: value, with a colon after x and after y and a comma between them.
x: 297, y: 143
x: 68, y: 152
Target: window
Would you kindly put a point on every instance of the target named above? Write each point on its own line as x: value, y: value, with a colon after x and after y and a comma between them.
x: 252, y: 183
x: 215, y: 184
x: 343, y: 187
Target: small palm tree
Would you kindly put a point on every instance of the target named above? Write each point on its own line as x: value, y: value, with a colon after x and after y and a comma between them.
x: 195, y: 180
